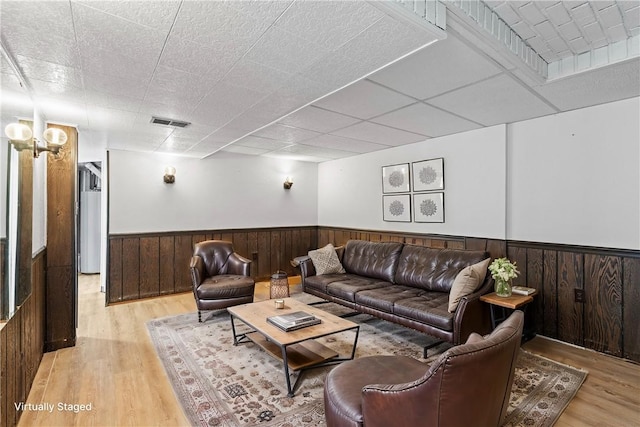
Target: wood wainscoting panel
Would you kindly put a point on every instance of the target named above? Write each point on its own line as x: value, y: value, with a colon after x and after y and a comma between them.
x: 570, y: 312
x: 152, y: 264
x: 61, y: 324
x: 183, y: 250
x: 603, y: 303
x: 149, y: 266
x: 167, y: 265
x: 549, y: 295
x: 631, y: 308
x: 22, y: 340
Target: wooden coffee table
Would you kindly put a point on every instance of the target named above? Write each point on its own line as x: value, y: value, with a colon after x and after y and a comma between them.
x: 297, y: 349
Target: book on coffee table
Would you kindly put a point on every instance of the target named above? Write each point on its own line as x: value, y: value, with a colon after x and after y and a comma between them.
x: 292, y: 321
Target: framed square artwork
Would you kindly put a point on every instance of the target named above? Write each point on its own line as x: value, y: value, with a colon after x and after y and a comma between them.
x: 428, y: 207
x: 428, y: 175
x: 395, y: 178
x: 396, y: 208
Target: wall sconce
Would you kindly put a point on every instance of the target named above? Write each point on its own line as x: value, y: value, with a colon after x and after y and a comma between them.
x: 21, y: 136
x: 288, y: 183
x: 169, y: 174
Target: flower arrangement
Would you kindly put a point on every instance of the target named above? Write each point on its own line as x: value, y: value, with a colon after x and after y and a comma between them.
x: 502, y: 270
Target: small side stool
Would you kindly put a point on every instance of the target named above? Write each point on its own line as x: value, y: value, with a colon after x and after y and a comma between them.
x: 279, y: 285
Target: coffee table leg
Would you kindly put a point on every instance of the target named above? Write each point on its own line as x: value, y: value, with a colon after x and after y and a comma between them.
x: 355, y: 343
x: 285, y: 362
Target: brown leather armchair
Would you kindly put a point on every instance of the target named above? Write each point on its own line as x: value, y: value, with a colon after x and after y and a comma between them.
x: 221, y: 278
x: 468, y: 385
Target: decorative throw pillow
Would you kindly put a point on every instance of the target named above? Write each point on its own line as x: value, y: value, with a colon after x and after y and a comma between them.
x: 466, y: 282
x: 325, y: 260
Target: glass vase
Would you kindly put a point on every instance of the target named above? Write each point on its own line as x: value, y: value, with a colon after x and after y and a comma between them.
x: 503, y: 288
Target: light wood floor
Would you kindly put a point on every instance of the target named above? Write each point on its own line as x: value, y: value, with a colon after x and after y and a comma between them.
x: 114, y: 368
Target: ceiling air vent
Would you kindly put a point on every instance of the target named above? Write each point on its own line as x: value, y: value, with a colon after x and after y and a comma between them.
x: 169, y: 122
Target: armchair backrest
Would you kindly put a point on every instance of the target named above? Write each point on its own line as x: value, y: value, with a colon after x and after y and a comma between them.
x: 215, y: 256
x: 469, y: 384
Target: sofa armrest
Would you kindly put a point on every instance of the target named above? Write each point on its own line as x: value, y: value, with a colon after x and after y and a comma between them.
x: 196, y: 266
x: 237, y: 264
x: 473, y: 315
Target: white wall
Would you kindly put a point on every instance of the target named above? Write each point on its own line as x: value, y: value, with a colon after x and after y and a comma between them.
x: 234, y: 192
x: 350, y: 189
x: 574, y: 178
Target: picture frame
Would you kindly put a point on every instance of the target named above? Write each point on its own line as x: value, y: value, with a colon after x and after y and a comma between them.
x: 428, y: 175
x: 396, y: 179
x: 428, y: 207
x: 396, y: 208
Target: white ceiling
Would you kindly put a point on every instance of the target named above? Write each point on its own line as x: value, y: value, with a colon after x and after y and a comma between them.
x: 305, y: 79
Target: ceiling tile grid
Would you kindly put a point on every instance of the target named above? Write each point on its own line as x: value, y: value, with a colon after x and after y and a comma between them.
x: 305, y: 79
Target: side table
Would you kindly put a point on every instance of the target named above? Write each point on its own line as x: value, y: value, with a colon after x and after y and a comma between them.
x: 502, y: 304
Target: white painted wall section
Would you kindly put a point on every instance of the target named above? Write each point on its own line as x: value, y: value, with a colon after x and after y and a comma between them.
x: 350, y: 189
x: 574, y: 178
x: 234, y: 192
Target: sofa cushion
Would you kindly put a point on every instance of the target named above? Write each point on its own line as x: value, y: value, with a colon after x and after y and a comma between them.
x: 325, y: 260
x: 377, y: 260
x: 350, y: 284
x: 320, y: 283
x: 428, y: 307
x: 433, y: 269
x: 467, y: 282
x: 383, y: 298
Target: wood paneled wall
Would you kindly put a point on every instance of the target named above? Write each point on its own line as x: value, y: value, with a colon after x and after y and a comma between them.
x: 339, y: 236
x: 147, y: 265
x: 588, y: 296
x: 61, y: 241
x: 21, y: 346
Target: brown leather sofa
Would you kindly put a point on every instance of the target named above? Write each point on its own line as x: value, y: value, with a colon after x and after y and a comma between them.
x: 221, y: 278
x: 468, y: 385
x: 405, y: 284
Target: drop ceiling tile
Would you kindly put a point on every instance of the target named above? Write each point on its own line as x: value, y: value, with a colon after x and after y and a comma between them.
x: 259, y: 77
x: 425, y: 120
x: 50, y: 71
x: 44, y: 18
x: 286, y: 133
x: 324, y: 153
x: 183, y: 89
x: 385, y: 41
x: 266, y: 11
x: 496, y: 100
x: 222, y: 97
x: 112, y: 63
x: 531, y: 13
x: 364, y: 99
x: 338, y: 70
x: 258, y: 142
x: 158, y: 15
x: 441, y: 67
x: 380, y: 134
x: 328, y: 23
x: 214, y: 23
x: 238, y: 149
x: 125, y: 37
x: 57, y: 90
x: 119, y: 85
x: 284, y: 51
x: 317, y: 119
x: 45, y: 47
x: 173, y: 144
x: 211, y: 61
x: 344, y: 144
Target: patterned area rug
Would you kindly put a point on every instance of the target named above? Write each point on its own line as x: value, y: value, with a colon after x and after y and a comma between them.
x: 219, y: 384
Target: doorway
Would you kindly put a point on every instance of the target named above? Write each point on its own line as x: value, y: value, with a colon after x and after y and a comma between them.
x: 89, y: 218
